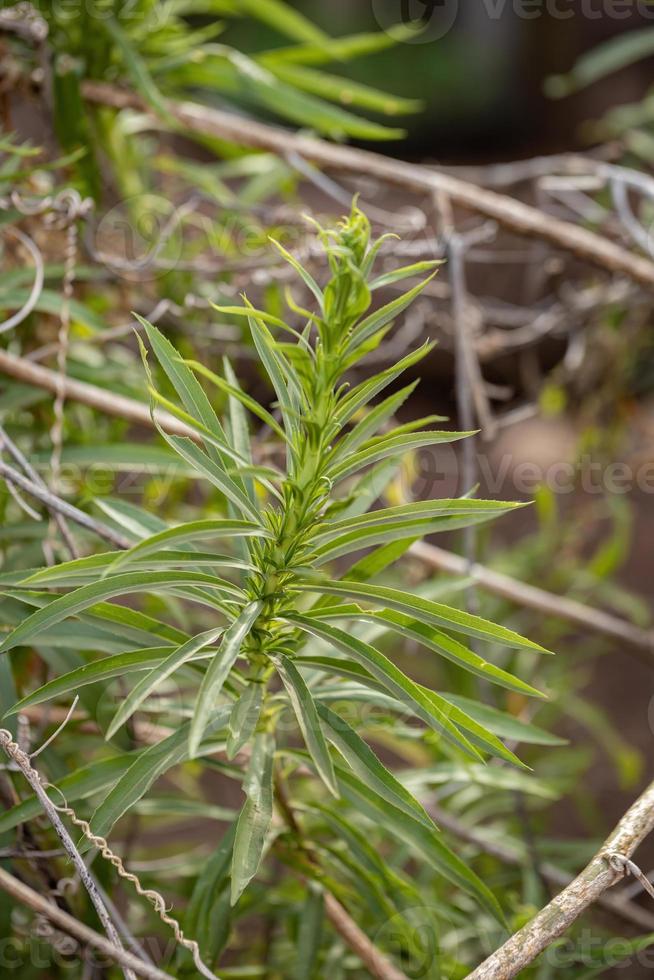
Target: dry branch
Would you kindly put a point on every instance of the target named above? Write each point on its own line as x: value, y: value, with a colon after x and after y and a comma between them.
x: 374, y: 961
x: 596, y: 878
x: 511, y: 213
x: 618, y: 905
x: 59, y: 506
x: 87, y: 394
x: 22, y: 761
x: 66, y: 923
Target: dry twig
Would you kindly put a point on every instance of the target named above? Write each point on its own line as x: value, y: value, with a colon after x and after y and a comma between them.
x: 608, y: 866
x: 509, y: 212
x: 73, y: 927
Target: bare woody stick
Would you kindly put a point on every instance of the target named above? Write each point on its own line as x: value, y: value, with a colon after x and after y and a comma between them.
x: 617, y: 905
x: 608, y: 866
x: 87, y: 937
x: 513, y: 214
x: 59, y: 506
x: 374, y: 961
x: 22, y: 760
x: 30, y: 472
x: 88, y: 394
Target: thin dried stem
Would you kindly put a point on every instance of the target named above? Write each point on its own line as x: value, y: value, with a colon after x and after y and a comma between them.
x: 56, y: 504
x: 511, y: 213
x: 606, y: 868
x: 22, y: 760
x: 73, y: 927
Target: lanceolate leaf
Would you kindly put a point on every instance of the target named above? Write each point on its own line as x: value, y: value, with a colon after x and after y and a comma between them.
x: 418, y: 510
x: 442, y: 644
x: 363, y: 761
x: 218, y: 671
x: 385, y: 671
x: 409, y: 830
x: 99, y: 670
x: 244, y: 718
x: 186, y: 385
x: 255, y: 817
x: 215, y: 474
x: 391, y: 445
x: 146, y: 769
x: 374, y: 534
x: 192, y: 531
x: 426, y: 611
x: 89, y: 595
x: 308, y: 719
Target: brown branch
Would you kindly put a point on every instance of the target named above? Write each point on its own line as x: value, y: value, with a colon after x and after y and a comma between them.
x: 73, y: 927
x: 635, y: 639
x: 511, y: 213
x: 22, y: 761
x: 618, y: 905
x: 88, y: 394
x: 552, y: 921
x: 59, y: 506
x: 374, y: 961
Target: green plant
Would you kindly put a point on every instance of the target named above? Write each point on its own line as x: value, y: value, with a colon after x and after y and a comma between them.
x: 274, y: 635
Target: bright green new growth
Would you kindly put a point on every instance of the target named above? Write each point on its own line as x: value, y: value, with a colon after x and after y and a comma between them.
x: 286, y: 632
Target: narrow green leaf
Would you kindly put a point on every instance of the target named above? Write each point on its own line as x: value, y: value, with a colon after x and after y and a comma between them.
x: 373, y: 420
x: 125, y: 584
x: 145, y: 770
x: 218, y: 671
x: 429, y: 845
x: 426, y: 611
x: 384, y: 315
x: 98, y: 670
x: 504, y: 724
x: 365, y: 764
x: 350, y: 93
x: 244, y: 718
x: 391, y: 445
x: 191, y: 531
x: 442, y: 644
x: 306, y: 276
x: 308, y: 719
x: 369, y: 389
x: 255, y: 817
x: 214, y: 473
x: 385, y: 671
x: 396, y: 275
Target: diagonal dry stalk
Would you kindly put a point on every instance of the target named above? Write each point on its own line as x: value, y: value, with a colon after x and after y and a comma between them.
x: 22, y: 893
x: 604, y: 870
x: 22, y: 761
x: 511, y: 213
x: 618, y: 905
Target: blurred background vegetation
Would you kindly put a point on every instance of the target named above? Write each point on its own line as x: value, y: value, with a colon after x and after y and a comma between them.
x: 180, y: 221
